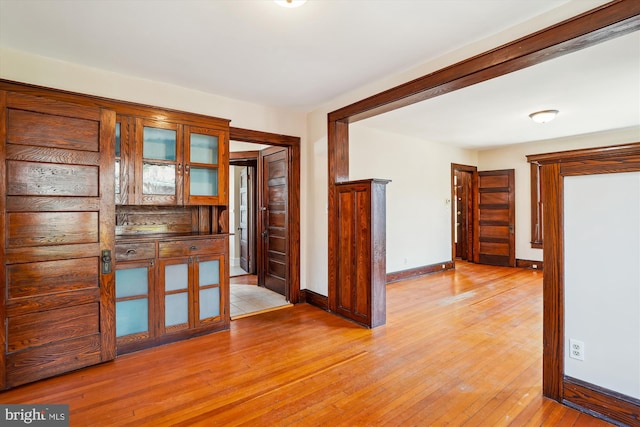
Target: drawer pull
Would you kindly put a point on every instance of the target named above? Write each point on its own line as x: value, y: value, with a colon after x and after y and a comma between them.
x: 131, y: 251
x: 193, y: 248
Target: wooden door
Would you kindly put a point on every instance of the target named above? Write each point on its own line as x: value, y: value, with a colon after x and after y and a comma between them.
x: 244, y: 227
x: 58, y: 227
x: 273, y: 227
x: 463, y: 214
x: 495, y: 223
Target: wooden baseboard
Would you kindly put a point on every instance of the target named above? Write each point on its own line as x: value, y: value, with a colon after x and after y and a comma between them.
x: 419, y: 271
x: 609, y: 405
x: 532, y: 265
x: 315, y: 299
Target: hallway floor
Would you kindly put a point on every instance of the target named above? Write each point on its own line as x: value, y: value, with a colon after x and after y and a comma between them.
x: 248, y: 299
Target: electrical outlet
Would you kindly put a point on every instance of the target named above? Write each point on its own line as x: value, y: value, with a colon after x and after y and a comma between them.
x: 576, y: 349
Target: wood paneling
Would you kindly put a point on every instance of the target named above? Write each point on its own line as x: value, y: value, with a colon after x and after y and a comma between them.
x: 52, y: 130
x: 51, y: 228
x: 37, y: 329
x: 57, y: 216
x: 41, y: 278
x: 461, y: 347
x: 361, y: 257
x: 35, y: 179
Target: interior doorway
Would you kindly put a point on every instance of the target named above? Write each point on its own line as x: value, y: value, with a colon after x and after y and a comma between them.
x: 462, y: 209
x: 264, y: 222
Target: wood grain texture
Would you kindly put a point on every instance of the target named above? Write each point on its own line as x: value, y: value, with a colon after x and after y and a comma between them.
x: 3, y: 236
x: 462, y: 347
x: 361, y: 273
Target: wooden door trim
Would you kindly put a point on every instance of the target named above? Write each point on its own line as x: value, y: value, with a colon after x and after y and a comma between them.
x: 473, y: 170
x: 292, y: 143
x: 554, y: 167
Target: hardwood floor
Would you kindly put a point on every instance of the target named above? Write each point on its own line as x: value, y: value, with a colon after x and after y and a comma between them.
x: 459, y: 348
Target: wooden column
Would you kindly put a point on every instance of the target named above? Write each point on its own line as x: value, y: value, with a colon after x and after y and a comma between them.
x: 361, y: 251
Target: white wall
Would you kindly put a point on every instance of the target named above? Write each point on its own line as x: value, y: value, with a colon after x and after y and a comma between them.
x: 514, y: 157
x: 602, y: 279
x: 419, y: 196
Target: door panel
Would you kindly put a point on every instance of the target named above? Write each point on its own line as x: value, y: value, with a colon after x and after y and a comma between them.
x: 57, y: 219
x: 243, y: 228
x: 274, y: 221
x: 495, y: 227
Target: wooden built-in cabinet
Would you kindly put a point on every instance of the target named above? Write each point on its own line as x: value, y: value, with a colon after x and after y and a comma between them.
x: 169, y: 288
x: 113, y: 228
x: 167, y: 163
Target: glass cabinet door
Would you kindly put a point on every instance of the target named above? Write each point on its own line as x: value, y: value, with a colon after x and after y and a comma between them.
x: 161, y: 168
x: 133, y: 304
x: 175, y: 275
x: 209, y: 297
x: 202, y: 170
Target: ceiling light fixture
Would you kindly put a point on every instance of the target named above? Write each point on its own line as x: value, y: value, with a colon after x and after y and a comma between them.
x: 290, y: 3
x: 543, y: 116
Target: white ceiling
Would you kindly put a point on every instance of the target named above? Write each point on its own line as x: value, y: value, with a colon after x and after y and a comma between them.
x: 301, y: 58
x: 595, y: 89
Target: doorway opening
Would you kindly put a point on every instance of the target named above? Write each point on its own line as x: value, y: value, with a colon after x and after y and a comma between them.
x: 259, y: 222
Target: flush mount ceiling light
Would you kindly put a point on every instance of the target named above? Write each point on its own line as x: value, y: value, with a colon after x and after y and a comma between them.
x: 543, y: 116
x: 290, y: 3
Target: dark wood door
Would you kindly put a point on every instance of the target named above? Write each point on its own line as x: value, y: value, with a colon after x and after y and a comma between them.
x: 273, y: 227
x: 58, y: 219
x: 464, y: 214
x: 495, y: 223
x: 243, y: 227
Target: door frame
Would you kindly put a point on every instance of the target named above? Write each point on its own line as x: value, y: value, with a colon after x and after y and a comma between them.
x: 473, y: 170
x: 249, y: 159
x: 292, y: 144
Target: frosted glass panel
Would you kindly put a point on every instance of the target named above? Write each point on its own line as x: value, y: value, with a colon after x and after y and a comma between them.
x: 204, y: 182
x: 117, y: 139
x: 158, y: 179
x: 176, y: 277
x: 176, y: 309
x: 159, y: 144
x: 117, y: 176
x: 204, y: 149
x: 209, y: 273
x: 209, y: 303
x: 132, y: 317
x: 131, y: 282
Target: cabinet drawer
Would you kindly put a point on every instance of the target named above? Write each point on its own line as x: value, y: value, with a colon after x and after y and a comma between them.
x: 135, y: 251
x: 191, y: 247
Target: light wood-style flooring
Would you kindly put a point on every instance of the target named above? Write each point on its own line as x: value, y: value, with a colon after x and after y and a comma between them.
x: 459, y: 348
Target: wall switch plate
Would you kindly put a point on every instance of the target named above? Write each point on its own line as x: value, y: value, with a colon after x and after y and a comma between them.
x: 576, y: 349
